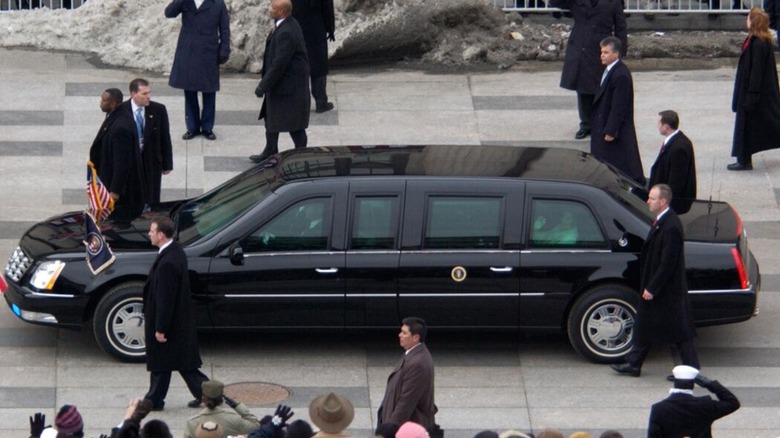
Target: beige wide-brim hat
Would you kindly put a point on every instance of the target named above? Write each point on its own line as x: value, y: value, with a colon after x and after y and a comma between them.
x: 331, y: 413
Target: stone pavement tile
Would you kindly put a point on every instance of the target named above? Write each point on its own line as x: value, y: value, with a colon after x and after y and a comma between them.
x: 770, y: 283
x: 227, y: 164
x: 31, y: 118
x: 397, y: 97
x: 466, y: 397
x: 542, y: 125
x: 594, y: 376
x: 302, y: 396
x: 519, y: 103
x: 758, y: 419
x: 110, y: 397
x: 303, y: 375
x: 763, y: 329
x: 519, y: 83
x: 26, y: 397
x: 26, y: 132
x: 744, y: 377
x: 757, y: 397
x: 246, y: 354
x: 410, y: 127
x: 30, y: 375
x: 24, y: 356
x: 159, y: 88
x: 764, y: 251
x: 740, y: 357
x: 564, y: 398
x: 30, y: 148
x: 107, y: 376
x: 498, y: 418
x: 14, y: 229
x: 588, y: 417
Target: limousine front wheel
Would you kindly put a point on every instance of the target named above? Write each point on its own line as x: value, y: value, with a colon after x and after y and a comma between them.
x: 119, y: 323
x: 601, y: 323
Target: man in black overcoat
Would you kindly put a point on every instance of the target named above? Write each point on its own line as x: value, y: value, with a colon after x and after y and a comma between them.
x: 664, y: 313
x: 613, y: 137
x: 676, y: 163
x: 154, y: 143
x: 203, y: 45
x: 410, y: 386
x: 318, y: 23
x: 594, y: 20
x: 171, y: 340
x: 285, y: 82
x: 116, y: 158
x: 683, y: 414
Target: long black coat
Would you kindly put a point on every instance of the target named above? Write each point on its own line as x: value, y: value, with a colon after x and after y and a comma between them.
x: 409, y: 391
x: 204, y: 39
x: 582, y: 66
x: 613, y: 114
x: 756, y: 100
x: 157, y: 154
x: 676, y: 167
x: 667, y: 317
x: 685, y: 415
x: 285, y: 81
x: 114, y: 152
x: 168, y: 310
x: 317, y: 19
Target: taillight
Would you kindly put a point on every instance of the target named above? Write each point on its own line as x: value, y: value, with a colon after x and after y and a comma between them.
x: 3, y: 285
x: 743, y: 281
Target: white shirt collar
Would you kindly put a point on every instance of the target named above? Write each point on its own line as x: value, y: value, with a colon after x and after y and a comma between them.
x: 198, y: 3
x: 658, y: 218
x: 609, y: 67
x: 135, y: 107
x: 165, y: 245
x: 411, y: 348
x: 279, y: 21
x: 681, y: 391
x: 666, y: 140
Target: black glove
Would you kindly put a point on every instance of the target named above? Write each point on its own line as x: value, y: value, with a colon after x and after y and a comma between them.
x: 331, y: 36
x: 102, y: 435
x: 223, y: 59
x: 259, y: 91
x: 702, y: 381
x: 282, y: 414
x: 230, y: 402
x: 36, y: 424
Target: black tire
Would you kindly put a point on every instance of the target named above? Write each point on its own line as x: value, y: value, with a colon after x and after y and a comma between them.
x: 118, y: 323
x: 601, y: 323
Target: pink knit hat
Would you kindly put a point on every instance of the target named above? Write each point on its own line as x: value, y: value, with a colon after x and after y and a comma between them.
x: 68, y: 420
x: 411, y: 430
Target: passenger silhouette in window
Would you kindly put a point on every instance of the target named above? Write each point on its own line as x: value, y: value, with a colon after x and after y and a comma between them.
x: 562, y: 233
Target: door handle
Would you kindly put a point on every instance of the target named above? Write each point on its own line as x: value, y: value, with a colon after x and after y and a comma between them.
x: 502, y: 269
x: 326, y: 270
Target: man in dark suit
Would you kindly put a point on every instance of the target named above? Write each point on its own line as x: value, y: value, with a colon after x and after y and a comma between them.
x: 318, y: 23
x: 613, y: 138
x: 203, y: 45
x: 116, y: 158
x: 664, y: 313
x: 409, y: 391
x: 676, y: 164
x: 683, y: 414
x: 285, y: 82
x: 171, y: 340
x: 594, y: 20
x: 152, y: 135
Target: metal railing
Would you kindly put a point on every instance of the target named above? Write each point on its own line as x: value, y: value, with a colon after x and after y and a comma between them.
x: 21, y: 5
x: 645, y: 6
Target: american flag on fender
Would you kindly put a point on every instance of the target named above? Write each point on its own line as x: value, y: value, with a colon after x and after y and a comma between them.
x: 100, y: 203
x: 99, y: 255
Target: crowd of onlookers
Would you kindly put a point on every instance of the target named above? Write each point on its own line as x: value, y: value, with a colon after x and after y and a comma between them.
x: 224, y: 417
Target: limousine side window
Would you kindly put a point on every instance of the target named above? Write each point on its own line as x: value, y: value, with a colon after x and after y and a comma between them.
x: 561, y: 223
x: 304, y: 226
x: 374, y: 223
x: 463, y: 222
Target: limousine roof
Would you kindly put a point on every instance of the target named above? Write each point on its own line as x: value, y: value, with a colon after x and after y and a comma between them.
x: 542, y: 163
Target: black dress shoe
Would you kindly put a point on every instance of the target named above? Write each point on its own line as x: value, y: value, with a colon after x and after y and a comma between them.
x: 209, y: 135
x: 325, y: 108
x: 260, y: 158
x: 624, y: 368
x: 582, y: 133
x: 740, y: 166
x: 194, y: 403
x: 190, y: 134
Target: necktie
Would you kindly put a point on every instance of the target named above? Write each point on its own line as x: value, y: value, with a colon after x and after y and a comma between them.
x: 603, y: 76
x: 139, y: 126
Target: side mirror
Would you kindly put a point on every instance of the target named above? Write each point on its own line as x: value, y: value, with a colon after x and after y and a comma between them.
x: 236, y: 254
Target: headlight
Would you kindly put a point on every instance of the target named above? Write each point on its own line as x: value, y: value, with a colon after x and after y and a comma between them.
x: 46, y: 274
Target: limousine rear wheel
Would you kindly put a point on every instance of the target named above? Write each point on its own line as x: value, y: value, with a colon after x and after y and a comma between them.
x: 601, y: 323
x: 119, y: 323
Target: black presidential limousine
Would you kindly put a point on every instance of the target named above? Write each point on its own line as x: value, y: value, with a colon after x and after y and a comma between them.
x: 360, y: 237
